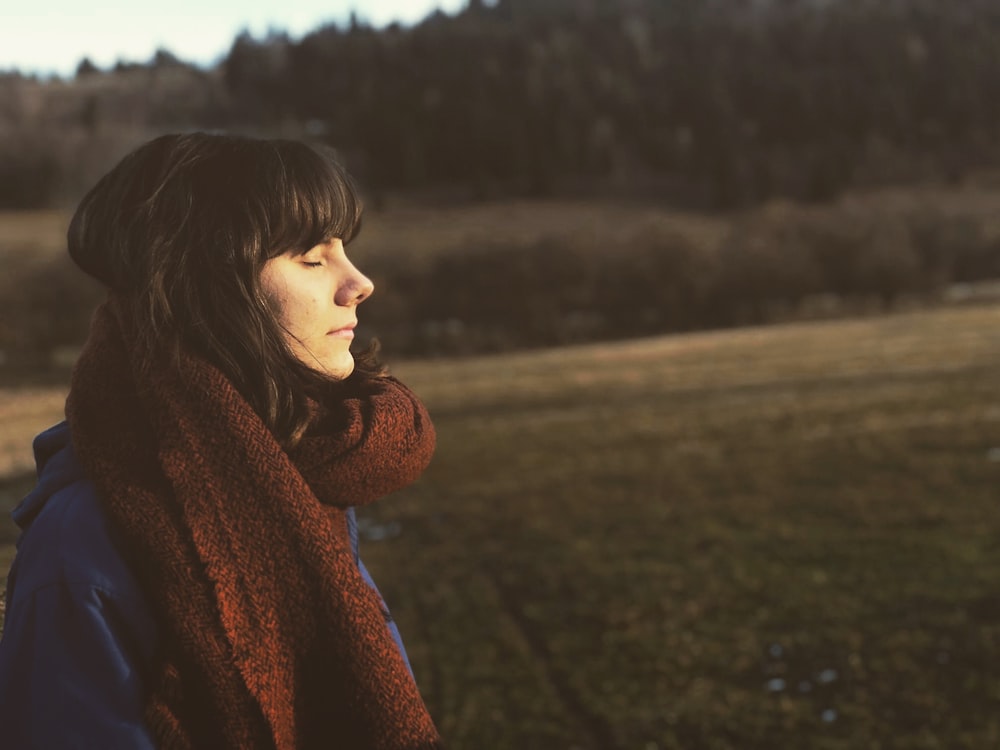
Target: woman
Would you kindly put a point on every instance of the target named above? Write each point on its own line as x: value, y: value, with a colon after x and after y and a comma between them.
x: 187, y: 574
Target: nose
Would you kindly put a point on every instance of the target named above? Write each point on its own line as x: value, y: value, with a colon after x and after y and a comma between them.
x: 356, y: 289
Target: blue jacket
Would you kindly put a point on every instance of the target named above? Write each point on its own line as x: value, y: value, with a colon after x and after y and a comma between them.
x: 79, y: 639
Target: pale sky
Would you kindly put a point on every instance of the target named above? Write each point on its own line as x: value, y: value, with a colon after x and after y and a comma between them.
x: 52, y: 36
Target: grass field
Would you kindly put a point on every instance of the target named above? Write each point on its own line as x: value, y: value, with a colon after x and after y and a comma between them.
x: 784, y: 537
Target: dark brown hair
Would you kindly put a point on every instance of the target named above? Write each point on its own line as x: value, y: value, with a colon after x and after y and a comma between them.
x: 180, y: 230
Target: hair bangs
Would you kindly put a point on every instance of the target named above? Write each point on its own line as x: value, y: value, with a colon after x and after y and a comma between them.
x: 307, y: 199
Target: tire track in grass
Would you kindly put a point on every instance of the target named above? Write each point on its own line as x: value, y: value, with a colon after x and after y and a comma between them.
x: 597, y: 729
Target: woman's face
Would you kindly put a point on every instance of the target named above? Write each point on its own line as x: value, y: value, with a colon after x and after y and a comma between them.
x: 315, y: 297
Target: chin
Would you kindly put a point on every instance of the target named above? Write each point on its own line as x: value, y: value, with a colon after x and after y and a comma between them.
x: 339, y: 367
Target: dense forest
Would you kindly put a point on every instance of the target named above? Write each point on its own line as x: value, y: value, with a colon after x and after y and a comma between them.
x: 705, y: 103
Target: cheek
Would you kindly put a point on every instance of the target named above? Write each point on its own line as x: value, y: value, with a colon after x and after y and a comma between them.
x: 295, y: 299
x: 300, y: 314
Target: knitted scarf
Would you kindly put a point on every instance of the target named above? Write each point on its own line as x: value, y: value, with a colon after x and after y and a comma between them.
x: 269, y: 636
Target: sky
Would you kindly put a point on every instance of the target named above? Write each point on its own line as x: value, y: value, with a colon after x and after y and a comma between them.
x: 52, y: 36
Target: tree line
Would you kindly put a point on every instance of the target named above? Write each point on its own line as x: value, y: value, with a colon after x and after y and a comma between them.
x: 708, y: 103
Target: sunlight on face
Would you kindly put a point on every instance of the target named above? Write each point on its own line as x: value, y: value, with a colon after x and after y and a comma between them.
x: 315, y: 298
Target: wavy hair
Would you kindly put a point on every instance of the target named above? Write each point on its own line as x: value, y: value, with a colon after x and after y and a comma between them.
x: 180, y: 230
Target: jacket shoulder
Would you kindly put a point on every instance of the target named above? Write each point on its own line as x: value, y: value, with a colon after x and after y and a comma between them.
x: 77, y: 648
x: 70, y: 542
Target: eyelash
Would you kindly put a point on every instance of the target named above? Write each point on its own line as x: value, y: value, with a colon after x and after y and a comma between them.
x: 311, y: 265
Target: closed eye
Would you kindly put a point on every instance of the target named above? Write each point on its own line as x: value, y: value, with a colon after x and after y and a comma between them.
x: 311, y: 264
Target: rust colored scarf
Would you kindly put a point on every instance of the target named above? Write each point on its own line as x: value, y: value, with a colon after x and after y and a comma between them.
x: 269, y: 636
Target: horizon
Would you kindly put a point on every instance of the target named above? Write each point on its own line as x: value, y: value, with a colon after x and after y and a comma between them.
x: 51, y: 42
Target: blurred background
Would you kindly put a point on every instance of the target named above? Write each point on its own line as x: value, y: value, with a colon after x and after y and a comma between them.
x: 704, y: 296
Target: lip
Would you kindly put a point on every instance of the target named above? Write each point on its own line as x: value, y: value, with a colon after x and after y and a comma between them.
x: 347, y: 332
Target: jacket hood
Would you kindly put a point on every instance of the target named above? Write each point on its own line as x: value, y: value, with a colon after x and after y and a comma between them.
x: 57, y: 467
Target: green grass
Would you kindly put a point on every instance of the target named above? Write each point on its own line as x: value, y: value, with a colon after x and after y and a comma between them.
x: 623, y: 545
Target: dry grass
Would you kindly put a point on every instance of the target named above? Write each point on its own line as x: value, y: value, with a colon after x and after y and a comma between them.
x: 419, y: 232
x: 409, y: 229
x: 44, y: 230
x: 625, y: 545
x: 24, y: 412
